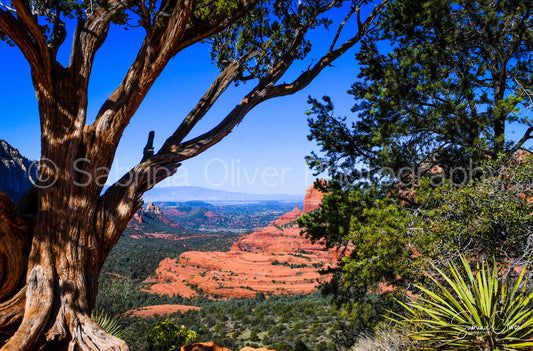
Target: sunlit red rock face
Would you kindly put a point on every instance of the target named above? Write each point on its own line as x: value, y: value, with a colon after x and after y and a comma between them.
x: 161, y: 310
x: 149, y: 214
x: 275, y: 259
x: 313, y: 197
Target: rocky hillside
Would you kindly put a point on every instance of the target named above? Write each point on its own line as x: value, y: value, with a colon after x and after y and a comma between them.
x: 14, y: 170
x: 275, y: 259
x: 151, y: 222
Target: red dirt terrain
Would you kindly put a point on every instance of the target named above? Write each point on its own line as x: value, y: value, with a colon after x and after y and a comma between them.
x: 160, y: 310
x: 275, y: 259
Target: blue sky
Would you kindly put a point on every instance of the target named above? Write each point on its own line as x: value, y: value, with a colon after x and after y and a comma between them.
x: 264, y: 154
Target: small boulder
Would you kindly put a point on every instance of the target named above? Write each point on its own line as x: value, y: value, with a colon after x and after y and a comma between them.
x: 203, y: 346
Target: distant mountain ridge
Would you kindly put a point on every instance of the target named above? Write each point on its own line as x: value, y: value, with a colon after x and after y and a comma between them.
x: 195, y: 193
x: 14, y: 168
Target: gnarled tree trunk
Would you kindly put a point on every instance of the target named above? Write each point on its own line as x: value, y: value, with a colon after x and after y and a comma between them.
x: 57, y: 266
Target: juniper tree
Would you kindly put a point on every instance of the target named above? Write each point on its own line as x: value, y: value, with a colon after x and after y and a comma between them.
x: 441, y: 82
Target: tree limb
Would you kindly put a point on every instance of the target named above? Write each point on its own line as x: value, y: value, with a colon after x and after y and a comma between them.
x: 179, y: 34
x: 120, y: 201
x: 216, y: 89
x: 198, y: 32
x: 39, y: 297
x: 127, y: 199
x: 307, y: 77
x: 24, y: 13
x: 258, y: 94
x: 527, y: 136
x: 17, y: 31
x: 341, y: 27
x: 7, y: 7
x: 12, y: 310
x: 88, y: 335
x: 264, y: 91
x: 89, y: 36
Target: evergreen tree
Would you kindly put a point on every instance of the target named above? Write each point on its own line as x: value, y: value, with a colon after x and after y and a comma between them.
x: 440, y: 83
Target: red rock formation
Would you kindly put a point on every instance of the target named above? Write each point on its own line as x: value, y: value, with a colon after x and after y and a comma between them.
x: 153, y: 209
x: 204, y: 346
x: 275, y: 259
x: 211, y: 346
x: 288, y: 217
x: 146, y: 219
x: 313, y: 197
x: 161, y: 310
x: 248, y: 348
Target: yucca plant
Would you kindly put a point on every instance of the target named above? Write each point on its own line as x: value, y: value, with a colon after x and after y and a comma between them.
x: 107, y: 323
x: 476, y: 313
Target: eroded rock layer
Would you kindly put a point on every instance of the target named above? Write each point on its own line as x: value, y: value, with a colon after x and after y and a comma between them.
x: 276, y: 259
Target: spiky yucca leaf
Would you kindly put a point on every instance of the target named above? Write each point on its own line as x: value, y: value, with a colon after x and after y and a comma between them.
x: 107, y: 323
x: 476, y: 312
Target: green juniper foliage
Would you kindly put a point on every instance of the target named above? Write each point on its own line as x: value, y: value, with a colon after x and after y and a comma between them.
x: 440, y: 83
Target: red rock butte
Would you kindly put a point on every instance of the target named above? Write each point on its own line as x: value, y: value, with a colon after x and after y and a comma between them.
x: 313, y: 197
x: 276, y: 259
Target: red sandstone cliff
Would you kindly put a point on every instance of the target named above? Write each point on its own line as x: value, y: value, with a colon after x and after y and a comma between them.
x: 313, y: 197
x: 275, y: 259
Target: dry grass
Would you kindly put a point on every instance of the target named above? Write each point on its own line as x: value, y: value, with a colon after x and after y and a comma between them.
x: 386, y: 339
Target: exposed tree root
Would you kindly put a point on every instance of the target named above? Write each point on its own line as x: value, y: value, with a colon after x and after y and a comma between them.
x: 89, y: 336
x: 59, y: 329
x: 14, y: 248
x: 39, y: 297
x: 12, y: 311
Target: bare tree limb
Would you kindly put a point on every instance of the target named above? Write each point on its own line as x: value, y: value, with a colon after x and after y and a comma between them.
x: 18, y: 32
x: 88, y: 335
x: 12, y: 310
x: 7, y: 7
x: 216, y: 89
x: 38, y: 307
x: 90, y: 35
x: 527, y: 136
x: 341, y: 27
x: 179, y: 34
x: 24, y: 13
x: 148, y: 150
x: 258, y: 94
x: 266, y: 90
x: 307, y: 77
x: 175, y: 29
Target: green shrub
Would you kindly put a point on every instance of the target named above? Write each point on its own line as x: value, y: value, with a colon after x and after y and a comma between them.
x: 167, y: 336
x: 477, y: 313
